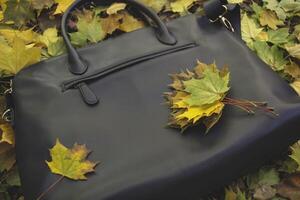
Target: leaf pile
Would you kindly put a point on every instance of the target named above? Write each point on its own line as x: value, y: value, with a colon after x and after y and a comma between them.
x: 197, y: 95
x: 271, y: 28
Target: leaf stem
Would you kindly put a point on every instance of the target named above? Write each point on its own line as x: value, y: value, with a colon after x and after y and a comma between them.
x: 249, y: 106
x: 50, y: 188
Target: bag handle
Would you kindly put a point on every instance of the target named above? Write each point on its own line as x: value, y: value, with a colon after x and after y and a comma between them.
x: 78, y: 66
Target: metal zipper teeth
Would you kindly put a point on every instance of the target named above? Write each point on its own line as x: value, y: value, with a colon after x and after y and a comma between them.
x: 116, y: 67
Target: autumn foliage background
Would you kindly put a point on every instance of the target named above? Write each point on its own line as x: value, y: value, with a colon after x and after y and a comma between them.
x: 30, y: 32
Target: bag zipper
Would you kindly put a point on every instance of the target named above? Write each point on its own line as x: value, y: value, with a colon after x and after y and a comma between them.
x: 89, y: 96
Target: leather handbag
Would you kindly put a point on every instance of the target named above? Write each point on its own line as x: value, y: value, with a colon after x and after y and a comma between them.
x: 109, y: 97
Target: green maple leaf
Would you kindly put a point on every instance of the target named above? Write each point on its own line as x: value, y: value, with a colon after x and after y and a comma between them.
x: 292, y: 7
x: 264, y: 177
x: 274, y: 6
x: 250, y: 29
x: 273, y: 56
x: 211, y: 88
x: 89, y: 29
x: 55, y: 45
x: 279, y: 36
x: 70, y: 163
x: 296, y: 154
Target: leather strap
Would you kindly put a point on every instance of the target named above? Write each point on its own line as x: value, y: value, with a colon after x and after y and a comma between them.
x: 78, y: 66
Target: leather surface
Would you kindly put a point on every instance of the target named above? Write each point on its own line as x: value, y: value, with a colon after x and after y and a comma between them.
x: 140, y: 158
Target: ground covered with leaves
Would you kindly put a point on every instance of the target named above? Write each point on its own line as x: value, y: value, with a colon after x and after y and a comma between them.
x: 30, y: 32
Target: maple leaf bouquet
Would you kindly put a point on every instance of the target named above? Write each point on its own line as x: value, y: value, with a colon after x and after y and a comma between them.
x: 201, y: 95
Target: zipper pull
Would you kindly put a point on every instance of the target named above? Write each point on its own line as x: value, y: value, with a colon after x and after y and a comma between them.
x: 87, y: 94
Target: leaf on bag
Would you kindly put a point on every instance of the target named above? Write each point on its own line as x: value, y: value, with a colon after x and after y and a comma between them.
x: 13, y: 59
x: 70, y: 163
x: 269, y: 18
x: 62, y: 5
x: 200, y: 96
x: 207, y: 90
x: 89, y: 29
x: 197, y: 96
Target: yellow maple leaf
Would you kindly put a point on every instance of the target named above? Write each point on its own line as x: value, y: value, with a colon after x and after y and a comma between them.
x: 7, y: 134
x: 62, y: 6
x: 114, y: 8
x: 130, y: 23
x: 269, y: 18
x: 28, y: 36
x: 296, y: 86
x: 194, y: 113
x: 7, y: 143
x: 111, y: 23
x: 1, y: 15
x: 49, y: 36
x: 70, y: 163
x: 181, y: 6
x: 13, y: 59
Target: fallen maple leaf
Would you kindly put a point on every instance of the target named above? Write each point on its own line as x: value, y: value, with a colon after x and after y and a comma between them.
x: 250, y: 29
x: 70, y: 163
x: 13, y: 59
x: 130, y: 23
x: 28, y: 36
x: 157, y: 5
x: 54, y: 44
x: 115, y: 8
x: 7, y: 143
x: 181, y: 6
x: 269, y: 18
x: 89, y: 29
x: 7, y: 134
x: 62, y: 5
x: 294, y: 50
